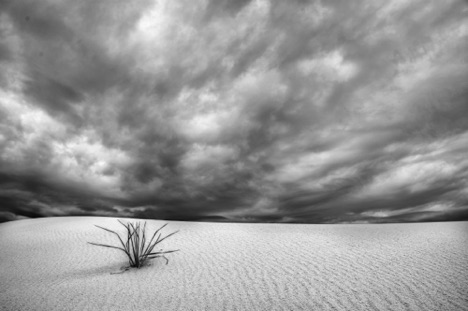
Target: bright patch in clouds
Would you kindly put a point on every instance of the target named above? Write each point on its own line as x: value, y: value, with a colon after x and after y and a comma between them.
x: 240, y: 110
x: 331, y: 66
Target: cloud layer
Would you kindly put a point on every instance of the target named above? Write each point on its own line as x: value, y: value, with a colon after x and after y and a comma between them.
x: 284, y: 111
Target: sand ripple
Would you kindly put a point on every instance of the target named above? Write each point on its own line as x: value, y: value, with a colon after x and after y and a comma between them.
x: 45, y: 264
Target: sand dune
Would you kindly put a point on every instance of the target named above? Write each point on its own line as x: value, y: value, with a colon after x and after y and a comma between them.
x: 45, y: 264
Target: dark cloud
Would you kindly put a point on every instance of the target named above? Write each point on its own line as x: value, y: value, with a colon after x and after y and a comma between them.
x: 216, y: 8
x: 5, y: 53
x: 257, y: 111
x: 33, y: 195
x: 55, y: 97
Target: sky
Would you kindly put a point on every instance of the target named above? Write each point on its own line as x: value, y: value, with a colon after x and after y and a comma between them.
x: 235, y: 110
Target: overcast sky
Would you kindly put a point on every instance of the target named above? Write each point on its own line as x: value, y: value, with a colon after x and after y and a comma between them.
x: 235, y: 110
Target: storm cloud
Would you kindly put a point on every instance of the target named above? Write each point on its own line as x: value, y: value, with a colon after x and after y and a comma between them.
x: 256, y: 111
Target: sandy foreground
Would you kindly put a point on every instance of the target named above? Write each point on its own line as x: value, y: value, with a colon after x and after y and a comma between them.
x: 46, y: 264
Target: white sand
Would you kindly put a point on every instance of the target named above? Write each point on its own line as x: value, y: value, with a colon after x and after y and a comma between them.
x: 45, y: 264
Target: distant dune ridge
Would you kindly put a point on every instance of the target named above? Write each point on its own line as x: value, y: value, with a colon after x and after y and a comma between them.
x: 45, y: 264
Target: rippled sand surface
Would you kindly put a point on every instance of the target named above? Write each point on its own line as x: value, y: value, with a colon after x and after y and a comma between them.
x: 45, y: 264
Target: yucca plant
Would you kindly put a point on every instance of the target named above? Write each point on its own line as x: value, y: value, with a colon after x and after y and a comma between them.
x: 137, y: 249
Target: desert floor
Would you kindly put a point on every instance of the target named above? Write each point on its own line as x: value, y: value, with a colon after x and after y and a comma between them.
x: 46, y: 264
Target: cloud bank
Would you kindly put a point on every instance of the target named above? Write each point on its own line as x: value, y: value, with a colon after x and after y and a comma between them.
x: 274, y: 111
